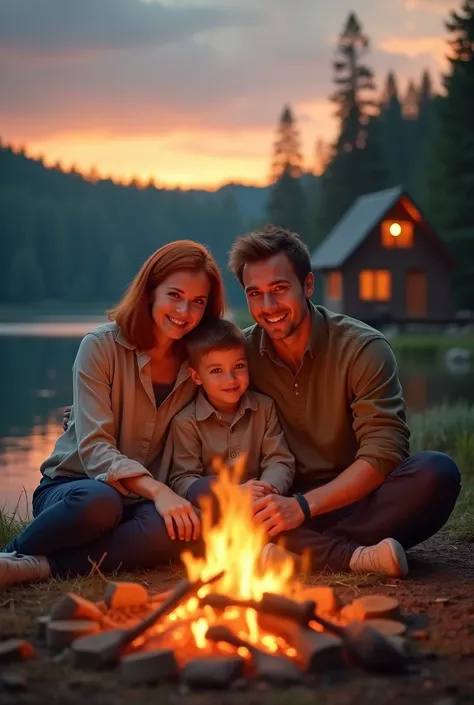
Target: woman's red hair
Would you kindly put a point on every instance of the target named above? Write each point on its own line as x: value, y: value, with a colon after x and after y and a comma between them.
x: 133, y: 313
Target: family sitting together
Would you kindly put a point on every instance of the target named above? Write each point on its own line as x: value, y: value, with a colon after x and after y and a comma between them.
x: 311, y: 398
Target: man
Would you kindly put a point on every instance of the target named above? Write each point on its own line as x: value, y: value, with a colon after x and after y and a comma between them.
x: 359, y: 499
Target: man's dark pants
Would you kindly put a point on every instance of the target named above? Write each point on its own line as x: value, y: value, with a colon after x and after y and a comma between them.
x: 414, y: 503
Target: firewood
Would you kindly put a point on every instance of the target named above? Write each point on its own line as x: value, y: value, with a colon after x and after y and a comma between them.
x: 268, y: 667
x: 388, y: 627
x: 148, y: 667
x: 367, y: 648
x: 317, y: 652
x: 41, y: 625
x: 375, y: 607
x: 61, y: 634
x: 72, y: 606
x: 15, y: 650
x: 278, y: 605
x: 119, y: 595
x: 325, y: 597
x: 100, y: 650
x: 213, y: 672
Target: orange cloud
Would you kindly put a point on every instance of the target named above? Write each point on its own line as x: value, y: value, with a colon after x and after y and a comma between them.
x: 413, y: 47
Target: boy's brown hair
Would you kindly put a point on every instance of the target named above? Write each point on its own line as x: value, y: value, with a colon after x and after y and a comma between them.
x: 213, y: 334
x: 259, y: 245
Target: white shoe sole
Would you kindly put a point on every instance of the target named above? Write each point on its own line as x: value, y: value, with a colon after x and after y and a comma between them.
x: 399, y: 559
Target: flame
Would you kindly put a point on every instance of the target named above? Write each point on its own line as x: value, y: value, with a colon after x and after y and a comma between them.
x: 234, y: 542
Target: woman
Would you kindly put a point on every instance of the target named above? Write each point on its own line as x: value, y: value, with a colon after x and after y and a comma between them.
x: 102, y: 498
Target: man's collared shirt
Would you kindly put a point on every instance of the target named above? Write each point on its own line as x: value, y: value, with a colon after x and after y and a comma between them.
x: 344, y: 403
x: 200, y: 435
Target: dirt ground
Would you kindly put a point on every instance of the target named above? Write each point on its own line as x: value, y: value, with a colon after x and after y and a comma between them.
x: 439, y: 596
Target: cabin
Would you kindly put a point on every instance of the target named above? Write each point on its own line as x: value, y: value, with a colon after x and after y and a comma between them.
x: 384, y: 262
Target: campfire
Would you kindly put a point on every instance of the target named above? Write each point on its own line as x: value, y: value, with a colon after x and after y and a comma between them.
x: 230, y: 618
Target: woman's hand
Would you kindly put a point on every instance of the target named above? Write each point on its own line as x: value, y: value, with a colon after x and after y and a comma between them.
x: 179, y: 515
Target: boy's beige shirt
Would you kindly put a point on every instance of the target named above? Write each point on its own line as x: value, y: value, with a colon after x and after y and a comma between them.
x: 199, y: 435
x: 118, y: 432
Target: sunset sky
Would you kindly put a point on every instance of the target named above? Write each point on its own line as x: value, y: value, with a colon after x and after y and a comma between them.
x: 189, y: 92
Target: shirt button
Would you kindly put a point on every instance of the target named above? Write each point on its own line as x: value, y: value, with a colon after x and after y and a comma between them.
x: 296, y: 385
x: 233, y: 455
x: 297, y: 394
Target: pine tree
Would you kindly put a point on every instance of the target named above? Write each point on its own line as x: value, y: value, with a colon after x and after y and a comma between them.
x: 287, y: 151
x: 287, y: 205
x: 450, y: 171
x: 392, y: 132
x: 357, y: 165
x: 411, y: 101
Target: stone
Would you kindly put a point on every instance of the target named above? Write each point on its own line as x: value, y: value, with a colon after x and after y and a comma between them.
x: 101, y: 650
x: 374, y: 607
x: 217, y: 672
x: 148, y: 667
x: 119, y: 595
x: 72, y: 606
x: 327, y: 601
x: 41, y: 627
x: 15, y: 650
x: 388, y: 627
x: 60, y: 634
x: 13, y: 683
x: 275, y: 669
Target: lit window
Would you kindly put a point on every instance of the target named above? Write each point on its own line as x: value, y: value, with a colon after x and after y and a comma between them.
x: 397, y: 233
x: 375, y: 285
x: 334, y: 285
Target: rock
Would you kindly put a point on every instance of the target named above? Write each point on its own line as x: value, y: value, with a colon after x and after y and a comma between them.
x: 13, y: 683
x: 41, y: 627
x: 212, y: 672
x: 60, y: 634
x: 374, y: 607
x: 15, y: 650
x: 327, y: 601
x: 147, y: 667
x: 72, y: 606
x: 388, y: 627
x: 100, y: 650
x: 274, y: 669
x: 120, y: 595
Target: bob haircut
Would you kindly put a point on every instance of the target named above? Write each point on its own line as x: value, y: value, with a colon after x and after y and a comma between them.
x: 133, y: 313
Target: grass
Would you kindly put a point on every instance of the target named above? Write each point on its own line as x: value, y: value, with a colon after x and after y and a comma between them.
x: 429, y: 345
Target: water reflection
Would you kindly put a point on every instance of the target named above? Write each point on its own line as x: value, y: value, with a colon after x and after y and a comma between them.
x: 36, y: 383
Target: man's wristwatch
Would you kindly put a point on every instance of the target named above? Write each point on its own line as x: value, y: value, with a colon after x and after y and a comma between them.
x: 303, y: 502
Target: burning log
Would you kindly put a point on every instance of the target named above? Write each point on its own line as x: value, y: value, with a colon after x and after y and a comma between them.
x: 99, y: 650
x: 268, y: 667
x: 277, y: 605
x: 367, y: 648
x: 316, y: 651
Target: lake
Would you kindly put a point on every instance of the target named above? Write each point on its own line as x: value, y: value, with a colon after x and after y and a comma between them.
x: 36, y: 382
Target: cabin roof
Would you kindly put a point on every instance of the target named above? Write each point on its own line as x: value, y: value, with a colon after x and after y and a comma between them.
x: 353, y: 228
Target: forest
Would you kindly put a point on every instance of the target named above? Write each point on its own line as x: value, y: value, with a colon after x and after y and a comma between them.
x: 72, y: 237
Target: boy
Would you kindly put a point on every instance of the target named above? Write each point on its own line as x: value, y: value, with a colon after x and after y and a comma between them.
x: 226, y: 419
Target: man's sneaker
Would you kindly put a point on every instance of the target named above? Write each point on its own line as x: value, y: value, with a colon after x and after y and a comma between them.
x: 387, y: 557
x: 16, y: 568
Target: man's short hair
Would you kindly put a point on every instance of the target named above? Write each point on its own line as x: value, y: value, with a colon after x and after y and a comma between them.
x: 260, y: 245
x: 213, y: 334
